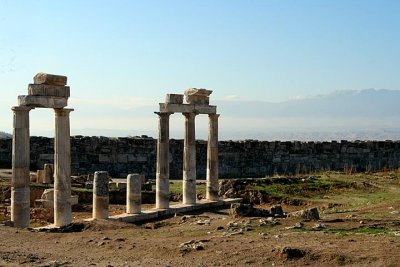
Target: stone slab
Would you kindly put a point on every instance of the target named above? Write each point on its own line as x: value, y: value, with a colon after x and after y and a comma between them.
x: 197, y: 96
x: 45, y: 203
x: 48, y: 90
x: 42, y: 101
x: 153, y: 214
x: 174, y: 99
x: 187, y: 108
x: 50, y: 79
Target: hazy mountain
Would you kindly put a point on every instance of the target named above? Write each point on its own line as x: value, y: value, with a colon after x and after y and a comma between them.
x: 365, y: 114
x: 363, y: 103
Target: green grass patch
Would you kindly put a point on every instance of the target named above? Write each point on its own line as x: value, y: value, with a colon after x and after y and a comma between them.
x: 302, y: 188
x: 176, y: 186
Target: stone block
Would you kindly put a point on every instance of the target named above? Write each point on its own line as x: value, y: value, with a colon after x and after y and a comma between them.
x: 48, y: 90
x: 50, y: 79
x: 42, y: 101
x: 187, y: 108
x: 174, y: 99
x: 197, y: 96
x: 41, y: 176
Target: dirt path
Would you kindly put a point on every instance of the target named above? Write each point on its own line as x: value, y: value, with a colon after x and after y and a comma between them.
x: 104, y: 243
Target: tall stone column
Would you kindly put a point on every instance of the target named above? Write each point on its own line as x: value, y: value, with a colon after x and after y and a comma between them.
x: 162, y: 176
x: 20, y: 192
x: 62, y: 169
x: 189, y: 160
x: 212, y: 158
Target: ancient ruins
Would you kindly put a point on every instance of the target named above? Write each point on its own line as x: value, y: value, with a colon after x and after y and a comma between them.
x: 197, y: 102
x: 50, y: 91
x: 47, y: 91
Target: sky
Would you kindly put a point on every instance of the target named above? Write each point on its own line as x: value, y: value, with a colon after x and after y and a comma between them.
x: 124, y: 56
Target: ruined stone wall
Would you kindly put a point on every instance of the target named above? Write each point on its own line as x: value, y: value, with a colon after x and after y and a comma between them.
x: 120, y: 156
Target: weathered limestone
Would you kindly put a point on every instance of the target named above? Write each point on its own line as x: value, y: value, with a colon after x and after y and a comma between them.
x: 48, y: 90
x: 197, y: 102
x: 212, y: 158
x: 174, y: 99
x: 47, y: 199
x: 48, y: 173
x: 62, y: 168
x: 162, y: 175
x: 133, y: 193
x: 198, y: 96
x: 100, y: 195
x: 40, y: 176
x: 20, y: 193
x: 187, y: 108
x: 50, y: 79
x: 42, y: 101
x: 189, y: 160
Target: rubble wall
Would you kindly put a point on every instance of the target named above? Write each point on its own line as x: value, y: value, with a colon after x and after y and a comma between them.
x: 120, y: 156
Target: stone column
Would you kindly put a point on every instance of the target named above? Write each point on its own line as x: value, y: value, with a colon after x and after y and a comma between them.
x: 20, y: 194
x: 100, y: 195
x: 212, y: 158
x: 189, y: 160
x: 48, y: 173
x: 62, y: 169
x: 133, y: 193
x: 162, y: 176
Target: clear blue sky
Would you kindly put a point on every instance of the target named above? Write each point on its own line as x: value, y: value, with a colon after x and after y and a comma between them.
x: 133, y: 52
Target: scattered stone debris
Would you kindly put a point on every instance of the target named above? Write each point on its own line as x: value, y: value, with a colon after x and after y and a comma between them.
x: 298, y: 225
x: 243, y: 210
x: 193, y: 245
x: 309, y: 214
x: 70, y: 228
x: 318, y: 227
x: 203, y: 222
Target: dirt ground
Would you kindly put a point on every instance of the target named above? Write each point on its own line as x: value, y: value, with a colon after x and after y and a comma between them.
x: 345, y: 235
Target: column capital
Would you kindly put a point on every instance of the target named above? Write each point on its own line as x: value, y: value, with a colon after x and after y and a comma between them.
x: 63, y: 112
x: 163, y: 113
x: 21, y: 108
x: 189, y: 114
x: 213, y: 116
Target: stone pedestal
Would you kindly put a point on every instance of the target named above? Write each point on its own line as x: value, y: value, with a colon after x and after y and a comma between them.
x: 133, y: 193
x: 100, y: 195
x: 62, y: 168
x: 162, y: 176
x: 189, y: 160
x: 20, y: 193
x: 212, y: 158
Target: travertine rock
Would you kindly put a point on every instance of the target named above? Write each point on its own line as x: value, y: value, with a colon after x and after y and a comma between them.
x: 187, y: 108
x: 48, y: 90
x: 197, y: 96
x: 42, y: 101
x: 50, y: 79
x: 174, y: 99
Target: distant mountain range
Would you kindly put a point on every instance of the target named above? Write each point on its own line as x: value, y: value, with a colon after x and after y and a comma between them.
x: 362, y: 103
x: 364, y: 114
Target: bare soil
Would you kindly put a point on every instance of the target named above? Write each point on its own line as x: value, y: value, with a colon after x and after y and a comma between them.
x: 349, y: 234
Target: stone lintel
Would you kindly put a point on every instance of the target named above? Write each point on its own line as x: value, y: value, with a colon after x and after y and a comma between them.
x: 42, y: 101
x: 48, y: 90
x: 50, y: 79
x: 174, y: 99
x: 187, y: 108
